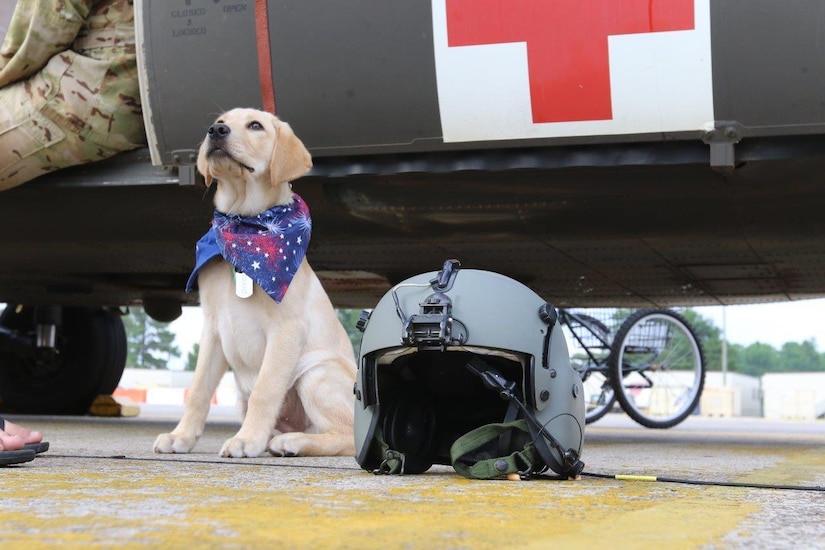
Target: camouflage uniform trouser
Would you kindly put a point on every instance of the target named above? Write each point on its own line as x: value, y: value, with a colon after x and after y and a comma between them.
x: 41, y: 132
x: 31, y: 144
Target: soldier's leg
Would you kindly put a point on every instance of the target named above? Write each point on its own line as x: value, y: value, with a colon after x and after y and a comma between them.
x: 33, y: 144
x: 28, y: 139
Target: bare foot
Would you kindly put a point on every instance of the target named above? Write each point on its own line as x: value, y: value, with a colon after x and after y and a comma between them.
x: 13, y: 437
x: 10, y: 442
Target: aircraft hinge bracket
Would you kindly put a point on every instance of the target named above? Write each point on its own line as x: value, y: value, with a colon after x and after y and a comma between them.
x: 187, y: 175
x: 722, y: 140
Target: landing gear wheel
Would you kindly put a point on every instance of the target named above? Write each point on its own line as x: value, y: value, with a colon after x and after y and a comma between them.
x: 658, y: 368
x: 88, y: 358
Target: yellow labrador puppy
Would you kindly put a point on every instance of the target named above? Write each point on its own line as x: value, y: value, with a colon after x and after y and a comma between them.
x: 292, y: 360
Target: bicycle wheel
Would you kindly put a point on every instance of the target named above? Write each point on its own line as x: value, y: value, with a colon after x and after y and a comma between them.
x: 598, y: 394
x: 588, y: 354
x: 658, y: 368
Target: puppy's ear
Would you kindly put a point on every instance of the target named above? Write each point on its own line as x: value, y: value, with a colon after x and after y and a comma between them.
x: 290, y: 159
x: 203, y: 165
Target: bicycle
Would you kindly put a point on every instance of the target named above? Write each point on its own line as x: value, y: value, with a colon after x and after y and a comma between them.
x: 653, y: 364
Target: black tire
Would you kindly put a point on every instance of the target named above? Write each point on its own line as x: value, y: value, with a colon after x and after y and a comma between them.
x: 118, y: 350
x: 89, y: 360
x: 658, y: 368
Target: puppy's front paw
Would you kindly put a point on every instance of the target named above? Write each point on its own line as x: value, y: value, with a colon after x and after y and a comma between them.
x: 288, y: 444
x: 171, y: 443
x: 239, y: 448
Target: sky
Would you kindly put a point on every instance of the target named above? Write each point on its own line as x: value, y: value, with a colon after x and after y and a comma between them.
x: 772, y: 324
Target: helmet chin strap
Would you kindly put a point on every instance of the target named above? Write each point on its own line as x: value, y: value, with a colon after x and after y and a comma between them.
x: 507, y: 391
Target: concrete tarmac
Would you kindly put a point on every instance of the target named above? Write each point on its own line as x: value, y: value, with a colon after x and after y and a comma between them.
x: 101, y: 486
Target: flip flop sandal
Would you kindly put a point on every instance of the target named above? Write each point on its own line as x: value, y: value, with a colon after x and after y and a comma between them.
x: 38, y: 448
x: 16, y: 457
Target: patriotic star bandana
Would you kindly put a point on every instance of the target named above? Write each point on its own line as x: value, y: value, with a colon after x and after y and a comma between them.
x: 268, y: 247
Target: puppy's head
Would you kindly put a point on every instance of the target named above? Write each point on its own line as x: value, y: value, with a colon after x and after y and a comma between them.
x: 253, y: 155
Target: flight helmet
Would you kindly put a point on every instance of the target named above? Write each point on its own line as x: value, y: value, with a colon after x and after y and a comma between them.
x: 467, y: 368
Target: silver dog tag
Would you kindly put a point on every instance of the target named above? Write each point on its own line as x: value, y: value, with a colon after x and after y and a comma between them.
x: 243, y: 285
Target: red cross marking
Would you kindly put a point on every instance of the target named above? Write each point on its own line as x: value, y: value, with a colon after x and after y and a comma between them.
x: 567, y: 53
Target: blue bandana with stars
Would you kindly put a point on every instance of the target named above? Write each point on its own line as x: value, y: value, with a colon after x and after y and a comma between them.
x: 268, y: 247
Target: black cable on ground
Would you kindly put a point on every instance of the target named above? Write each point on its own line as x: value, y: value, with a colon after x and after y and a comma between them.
x: 618, y: 477
x: 222, y: 461
x: 625, y: 477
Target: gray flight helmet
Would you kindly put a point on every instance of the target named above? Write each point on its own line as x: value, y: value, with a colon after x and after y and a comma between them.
x: 446, y: 352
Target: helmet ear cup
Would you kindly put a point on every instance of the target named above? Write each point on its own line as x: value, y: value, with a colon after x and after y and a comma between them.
x: 409, y: 427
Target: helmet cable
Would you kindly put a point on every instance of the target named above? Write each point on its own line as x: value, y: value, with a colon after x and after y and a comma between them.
x: 747, y: 485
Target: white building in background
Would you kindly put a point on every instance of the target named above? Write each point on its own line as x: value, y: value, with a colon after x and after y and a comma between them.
x: 169, y: 387
x: 794, y: 396
x: 731, y: 394
x: 777, y: 396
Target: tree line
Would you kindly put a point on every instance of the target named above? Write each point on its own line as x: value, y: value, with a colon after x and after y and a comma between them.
x: 151, y: 345
x: 755, y: 359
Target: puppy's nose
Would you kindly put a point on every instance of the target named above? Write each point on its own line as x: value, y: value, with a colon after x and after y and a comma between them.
x: 218, y: 131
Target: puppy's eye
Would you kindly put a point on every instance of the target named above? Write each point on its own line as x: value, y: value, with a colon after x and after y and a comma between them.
x: 255, y: 125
